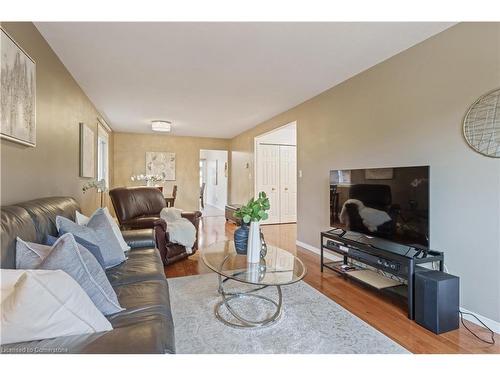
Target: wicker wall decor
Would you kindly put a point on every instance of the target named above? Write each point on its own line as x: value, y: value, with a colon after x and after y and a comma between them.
x: 482, y: 125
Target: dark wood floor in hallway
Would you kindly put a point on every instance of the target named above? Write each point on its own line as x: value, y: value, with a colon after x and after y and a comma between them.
x: 385, y: 314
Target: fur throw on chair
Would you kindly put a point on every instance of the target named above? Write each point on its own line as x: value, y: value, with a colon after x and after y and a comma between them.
x: 180, y: 230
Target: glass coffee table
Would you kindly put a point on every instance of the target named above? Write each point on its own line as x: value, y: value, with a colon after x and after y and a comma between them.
x: 278, y: 268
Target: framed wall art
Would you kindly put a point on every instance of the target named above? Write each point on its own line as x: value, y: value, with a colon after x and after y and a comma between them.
x: 161, y: 163
x: 18, y: 93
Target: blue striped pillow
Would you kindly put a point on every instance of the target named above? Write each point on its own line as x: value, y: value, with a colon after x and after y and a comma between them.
x: 92, y: 247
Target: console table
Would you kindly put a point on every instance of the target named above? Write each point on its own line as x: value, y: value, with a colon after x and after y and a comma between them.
x: 378, y: 259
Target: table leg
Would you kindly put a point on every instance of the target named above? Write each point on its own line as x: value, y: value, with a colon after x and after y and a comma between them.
x: 241, y: 322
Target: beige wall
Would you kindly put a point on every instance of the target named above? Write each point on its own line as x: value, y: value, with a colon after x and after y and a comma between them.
x: 52, y: 167
x: 407, y: 111
x: 130, y: 159
x: 404, y: 111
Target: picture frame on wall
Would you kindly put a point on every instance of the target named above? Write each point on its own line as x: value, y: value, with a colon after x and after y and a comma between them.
x: 18, y: 92
x: 87, y: 152
x: 162, y: 164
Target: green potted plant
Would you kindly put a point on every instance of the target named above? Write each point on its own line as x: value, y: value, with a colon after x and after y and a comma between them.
x: 251, y: 213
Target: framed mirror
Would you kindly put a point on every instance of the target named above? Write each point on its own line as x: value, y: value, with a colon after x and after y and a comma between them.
x: 482, y: 125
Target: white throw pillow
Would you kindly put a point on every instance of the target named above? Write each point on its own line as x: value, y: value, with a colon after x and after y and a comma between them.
x: 39, y: 305
x: 81, y: 219
x: 79, y: 263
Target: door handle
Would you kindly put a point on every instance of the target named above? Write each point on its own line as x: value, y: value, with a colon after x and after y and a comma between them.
x: 286, y: 189
x: 273, y: 189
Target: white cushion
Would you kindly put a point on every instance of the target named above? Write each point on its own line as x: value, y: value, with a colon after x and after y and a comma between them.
x: 83, y: 267
x: 81, y: 219
x: 39, y: 305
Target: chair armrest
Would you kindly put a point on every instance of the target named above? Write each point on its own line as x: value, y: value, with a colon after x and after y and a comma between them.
x: 192, y: 216
x: 161, y: 237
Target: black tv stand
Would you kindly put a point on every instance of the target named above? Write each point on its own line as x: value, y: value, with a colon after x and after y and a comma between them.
x: 378, y: 258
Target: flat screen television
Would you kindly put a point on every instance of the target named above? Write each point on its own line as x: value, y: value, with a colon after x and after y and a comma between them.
x: 391, y: 203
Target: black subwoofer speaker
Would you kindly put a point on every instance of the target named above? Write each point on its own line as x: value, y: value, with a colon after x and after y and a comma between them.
x: 437, y: 301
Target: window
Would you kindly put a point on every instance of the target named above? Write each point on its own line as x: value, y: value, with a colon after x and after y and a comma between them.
x: 102, y: 155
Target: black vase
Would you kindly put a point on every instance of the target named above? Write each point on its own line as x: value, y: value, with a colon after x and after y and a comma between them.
x: 241, y: 239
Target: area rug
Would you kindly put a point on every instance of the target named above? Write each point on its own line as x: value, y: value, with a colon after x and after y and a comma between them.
x: 311, y: 323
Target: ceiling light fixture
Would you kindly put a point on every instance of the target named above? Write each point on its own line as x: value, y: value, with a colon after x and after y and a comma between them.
x: 161, y: 126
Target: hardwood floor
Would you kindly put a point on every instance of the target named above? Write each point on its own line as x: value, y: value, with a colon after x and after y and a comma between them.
x: 383, y: 313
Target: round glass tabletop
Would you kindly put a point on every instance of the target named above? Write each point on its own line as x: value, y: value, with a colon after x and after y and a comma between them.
x: 278, y: 267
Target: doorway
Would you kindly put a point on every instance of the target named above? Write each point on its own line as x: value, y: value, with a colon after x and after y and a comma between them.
x: 276, y: 172
x: 213, y: 182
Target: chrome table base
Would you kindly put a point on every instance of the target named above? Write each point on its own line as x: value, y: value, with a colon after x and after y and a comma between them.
x: 239, y: 321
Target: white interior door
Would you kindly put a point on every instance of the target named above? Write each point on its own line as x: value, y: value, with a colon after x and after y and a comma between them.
x: 210, y: 192
x: 268, y: 178
x: 288, y: 184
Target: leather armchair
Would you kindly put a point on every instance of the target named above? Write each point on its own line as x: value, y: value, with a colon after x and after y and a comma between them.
x: 171, y: 252
x: 140, y: 207
x: 137, y: 207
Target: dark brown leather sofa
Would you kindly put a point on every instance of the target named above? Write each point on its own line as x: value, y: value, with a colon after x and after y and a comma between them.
x: 139, y: 208
x: 146, y: 325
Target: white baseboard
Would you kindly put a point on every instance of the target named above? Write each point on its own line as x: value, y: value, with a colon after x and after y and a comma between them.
x: 315, y: 250
x: 492, y: 324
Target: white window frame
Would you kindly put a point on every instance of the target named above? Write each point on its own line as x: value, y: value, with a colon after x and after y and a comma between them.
x: 102, y: 154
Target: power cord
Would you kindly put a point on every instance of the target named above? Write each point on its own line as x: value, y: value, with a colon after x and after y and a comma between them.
x: 491, y: 342
x: 434, y: 266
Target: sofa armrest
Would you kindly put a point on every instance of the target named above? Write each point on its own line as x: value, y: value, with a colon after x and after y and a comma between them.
x: 153, y: 336
x: 139, y: 238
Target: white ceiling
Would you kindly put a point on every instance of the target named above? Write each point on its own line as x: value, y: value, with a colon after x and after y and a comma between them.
x: 218, y: 79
